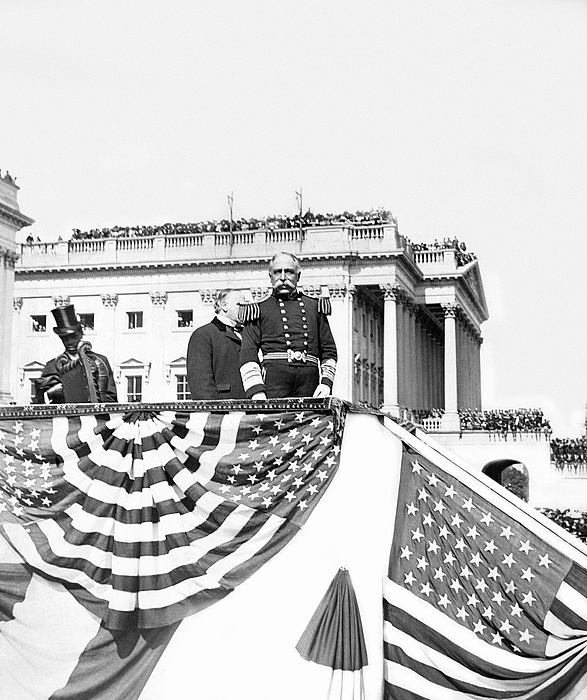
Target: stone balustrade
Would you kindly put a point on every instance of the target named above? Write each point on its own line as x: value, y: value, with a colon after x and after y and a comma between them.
x: 223, y: 246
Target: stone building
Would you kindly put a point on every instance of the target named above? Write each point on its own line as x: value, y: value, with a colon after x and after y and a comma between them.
x: 406, y: 317
x: 11, y: 221
x: 407, y: 321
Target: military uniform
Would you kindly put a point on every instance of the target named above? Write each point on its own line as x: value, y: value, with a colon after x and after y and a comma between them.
x: 296, y: 343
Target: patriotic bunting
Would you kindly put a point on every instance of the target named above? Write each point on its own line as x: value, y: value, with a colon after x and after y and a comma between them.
x: 159, y: 514
x: 484, y: 597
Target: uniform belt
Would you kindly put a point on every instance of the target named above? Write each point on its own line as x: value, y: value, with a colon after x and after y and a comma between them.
x: 292, y: 356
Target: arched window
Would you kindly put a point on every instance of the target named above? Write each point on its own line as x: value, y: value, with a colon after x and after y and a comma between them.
x: 511, y: 474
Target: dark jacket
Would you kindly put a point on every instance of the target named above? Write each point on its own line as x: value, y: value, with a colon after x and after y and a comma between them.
x: 76, y: 380
x: 213, y: 362
x: 277, y: 325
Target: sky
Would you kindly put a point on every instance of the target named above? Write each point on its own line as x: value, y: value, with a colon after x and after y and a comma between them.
x: 465, y: 118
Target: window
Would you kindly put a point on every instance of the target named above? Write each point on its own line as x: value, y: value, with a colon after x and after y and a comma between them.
x: 87, y: 321
x: 182, y: 389
x: 135, y: 319
x: 185, y: 319
x: 134, y: 388
x: 33, y: 389
x: 39, y: 324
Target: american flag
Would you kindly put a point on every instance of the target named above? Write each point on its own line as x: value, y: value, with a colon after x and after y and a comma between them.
x: 484, y: 597
x: 160, y: 513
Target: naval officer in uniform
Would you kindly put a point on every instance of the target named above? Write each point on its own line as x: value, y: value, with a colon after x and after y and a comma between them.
x: 292, y: 333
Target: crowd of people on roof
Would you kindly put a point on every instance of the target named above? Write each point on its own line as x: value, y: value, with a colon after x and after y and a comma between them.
x: 504, y: 421
x: 572, y: 521
x: 463, y: 257
x: 373, y: 217
x: 568, y: 452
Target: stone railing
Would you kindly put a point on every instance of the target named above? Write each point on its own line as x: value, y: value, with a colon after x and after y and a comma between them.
x: 223, y: 246
x: 212, y: 246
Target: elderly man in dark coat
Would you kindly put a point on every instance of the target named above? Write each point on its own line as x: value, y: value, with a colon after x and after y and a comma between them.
x: 213, y: 352
x: 78, y: 375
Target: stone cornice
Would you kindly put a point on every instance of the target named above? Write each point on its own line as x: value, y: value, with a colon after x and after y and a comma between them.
x: 459, y: 281
x: 313, y: 260
x: 13, y: 216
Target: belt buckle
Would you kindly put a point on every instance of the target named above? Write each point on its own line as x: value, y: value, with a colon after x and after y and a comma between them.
x: 296, y: 355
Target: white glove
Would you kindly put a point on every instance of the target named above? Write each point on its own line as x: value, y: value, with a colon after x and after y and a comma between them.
x: 322, y: 390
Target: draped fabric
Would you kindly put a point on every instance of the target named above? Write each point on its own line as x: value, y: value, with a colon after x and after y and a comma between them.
x: 334, y: 636
x: 484, y: 598
x: 160, y: 513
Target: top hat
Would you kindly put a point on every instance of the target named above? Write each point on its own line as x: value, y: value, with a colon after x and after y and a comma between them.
x: 66, y: 319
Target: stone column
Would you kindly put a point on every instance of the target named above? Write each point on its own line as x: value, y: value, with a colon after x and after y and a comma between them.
x: 7, y: 261
x: 477, y: 401
x: 155, y: 373
x: 406, y: 367
x: 390, y: 349
x: 419, y: 353
x: 341, y: 324
x: 108, y: 332
x: 451, y: 418
x: 413, y: 367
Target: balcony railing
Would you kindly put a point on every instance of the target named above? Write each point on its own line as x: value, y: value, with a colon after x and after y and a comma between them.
x: 210, y: 246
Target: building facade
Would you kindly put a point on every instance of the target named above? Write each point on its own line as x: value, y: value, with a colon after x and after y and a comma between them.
x: 407, y: 322
x: 11, y: 221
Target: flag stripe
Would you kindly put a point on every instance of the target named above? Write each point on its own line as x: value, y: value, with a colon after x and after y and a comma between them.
x: 483, y: 598
x: 162, y: 513
x: 418, y: 615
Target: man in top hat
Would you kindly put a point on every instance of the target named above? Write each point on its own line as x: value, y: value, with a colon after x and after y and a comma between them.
x: 78, y: 375
x: 292, y: 333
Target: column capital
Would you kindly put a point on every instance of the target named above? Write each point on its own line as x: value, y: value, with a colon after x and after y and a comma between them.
x: 450, y: 310
x: 259, y: 293
x: 110, y: 300
x: 158, y: 298
x: 17, y: 303
x: 208, y: 295
x: 338, y: 291
x: 394, y: 292
x: 9, y: 256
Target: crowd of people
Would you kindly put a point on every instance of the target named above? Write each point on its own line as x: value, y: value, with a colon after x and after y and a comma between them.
x: 421, y: 414
x: 504, y: 421
x: 572, y: 521
x: 373, y: 217
x: 569, y: 452
x: 359, y: 218
x: 462, y: 256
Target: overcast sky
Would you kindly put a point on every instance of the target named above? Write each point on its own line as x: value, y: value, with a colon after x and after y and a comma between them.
x: 464, y: 118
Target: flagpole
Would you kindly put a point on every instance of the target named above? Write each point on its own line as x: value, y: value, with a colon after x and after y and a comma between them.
x: 301, y: 210
x: 230, y: 203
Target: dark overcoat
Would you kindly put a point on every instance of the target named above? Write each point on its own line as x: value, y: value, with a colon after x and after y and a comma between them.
x: 213, y: 362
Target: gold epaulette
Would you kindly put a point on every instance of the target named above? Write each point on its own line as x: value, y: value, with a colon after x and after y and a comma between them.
x: 248, y: 312
x: 324, y: 306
